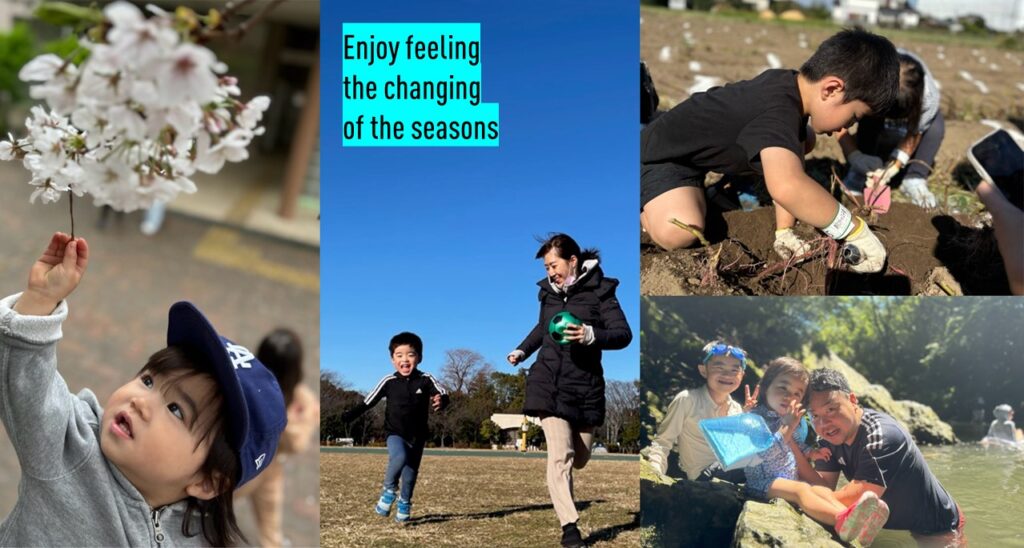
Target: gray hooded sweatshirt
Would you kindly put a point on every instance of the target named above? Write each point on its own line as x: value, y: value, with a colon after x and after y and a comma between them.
x: 1002, y: 428
x: 69, y: 494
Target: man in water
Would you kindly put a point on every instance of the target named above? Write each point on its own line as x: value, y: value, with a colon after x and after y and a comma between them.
x: 876, y: 453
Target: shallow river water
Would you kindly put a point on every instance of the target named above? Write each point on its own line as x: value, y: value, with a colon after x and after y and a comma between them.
x: 989, y: 486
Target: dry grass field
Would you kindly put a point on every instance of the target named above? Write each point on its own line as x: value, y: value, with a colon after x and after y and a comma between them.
x: 478, y: 500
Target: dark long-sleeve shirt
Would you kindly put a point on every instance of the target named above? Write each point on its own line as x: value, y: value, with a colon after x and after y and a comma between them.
x: 408, y: 404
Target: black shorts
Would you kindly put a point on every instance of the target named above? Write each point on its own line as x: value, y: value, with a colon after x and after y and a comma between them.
x: 657, y: 179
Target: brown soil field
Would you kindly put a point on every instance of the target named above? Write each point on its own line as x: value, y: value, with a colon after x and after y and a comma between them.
x: 475, y: 501
x: 947, y: 250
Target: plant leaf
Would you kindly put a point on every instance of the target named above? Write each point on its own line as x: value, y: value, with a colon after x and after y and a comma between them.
x: 63, y: 13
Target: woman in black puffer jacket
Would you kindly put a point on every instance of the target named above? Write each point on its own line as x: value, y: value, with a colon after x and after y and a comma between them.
x: 565, y: 386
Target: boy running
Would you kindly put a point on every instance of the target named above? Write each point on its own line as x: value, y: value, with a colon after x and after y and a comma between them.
x: 410, y: 394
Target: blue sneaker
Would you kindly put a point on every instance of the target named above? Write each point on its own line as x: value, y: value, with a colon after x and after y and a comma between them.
x: 387, y: 498
x: 404, y: 510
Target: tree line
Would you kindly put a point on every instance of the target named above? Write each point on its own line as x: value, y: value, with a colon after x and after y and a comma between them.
x: 957, y: 355
x: 476, y: 391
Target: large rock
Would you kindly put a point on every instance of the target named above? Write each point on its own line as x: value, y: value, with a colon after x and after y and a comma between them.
x: 686, y: 513
x: 920, y: 420
x: 777, y: 524
x: 680, y: 513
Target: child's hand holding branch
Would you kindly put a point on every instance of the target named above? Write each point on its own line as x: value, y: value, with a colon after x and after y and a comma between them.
x: 54, y: 275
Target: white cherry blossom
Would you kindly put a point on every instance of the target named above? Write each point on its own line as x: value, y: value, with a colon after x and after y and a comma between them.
x: 186, y: 74
x: 133, y: 124
x: 43, y: 68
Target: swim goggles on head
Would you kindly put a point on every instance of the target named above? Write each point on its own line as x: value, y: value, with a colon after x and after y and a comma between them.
x: 719, y: 349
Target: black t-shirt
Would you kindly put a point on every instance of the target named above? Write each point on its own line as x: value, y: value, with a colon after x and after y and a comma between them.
x: 724, y: 129
x: 883, y: 453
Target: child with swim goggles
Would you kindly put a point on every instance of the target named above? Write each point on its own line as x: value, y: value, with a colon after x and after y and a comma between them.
x: 722, y: 367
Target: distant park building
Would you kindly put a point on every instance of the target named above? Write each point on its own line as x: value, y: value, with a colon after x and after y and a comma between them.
x: 901, y: 18
x: 511, y: 426
x: 757, y: 5
x: 857, y: 12
x: 1000, y: 15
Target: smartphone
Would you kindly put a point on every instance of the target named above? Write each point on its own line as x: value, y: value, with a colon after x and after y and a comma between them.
x: 1000, y: 160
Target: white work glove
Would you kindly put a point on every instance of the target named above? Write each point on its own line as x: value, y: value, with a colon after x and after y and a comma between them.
x: 917, y: 190
x: 588, y: 335
x: 864, y: 162
x: 516, y: 357
x: 882, y: 176
x: 788, y: 244
x: 863, y: 251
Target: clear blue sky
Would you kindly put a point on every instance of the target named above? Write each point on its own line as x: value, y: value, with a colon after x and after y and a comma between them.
x: 440, y: 241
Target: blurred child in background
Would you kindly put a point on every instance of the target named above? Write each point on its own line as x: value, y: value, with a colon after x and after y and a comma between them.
x: 281, y: 352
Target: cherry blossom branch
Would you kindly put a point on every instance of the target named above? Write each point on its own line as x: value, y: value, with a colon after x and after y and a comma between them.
x: 233, y: 8
x: 71, y: 210
x: 242, y: 29
x: 128, y: 152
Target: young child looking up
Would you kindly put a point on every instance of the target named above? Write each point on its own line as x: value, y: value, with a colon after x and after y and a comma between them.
x: 410, y: 394
x: 760, y: 127
x: 777, y: 399
x: 722, y: 366
x: 158, y: 464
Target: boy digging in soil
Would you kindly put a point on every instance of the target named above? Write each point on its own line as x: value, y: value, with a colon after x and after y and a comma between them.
x: 759, y: 127
x: 410, y: 394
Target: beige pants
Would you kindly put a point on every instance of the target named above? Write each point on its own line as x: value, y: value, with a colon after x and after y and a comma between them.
x: 568, y: 448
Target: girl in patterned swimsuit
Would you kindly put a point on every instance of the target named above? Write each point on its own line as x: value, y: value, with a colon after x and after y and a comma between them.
x: 779, y: 403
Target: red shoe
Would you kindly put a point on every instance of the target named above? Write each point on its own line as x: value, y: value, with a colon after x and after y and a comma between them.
x: 863, y: 519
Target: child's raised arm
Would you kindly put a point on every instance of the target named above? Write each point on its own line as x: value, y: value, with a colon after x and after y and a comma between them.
x: 50, y: 429
x: 54, y: 275
x: 790, y: 424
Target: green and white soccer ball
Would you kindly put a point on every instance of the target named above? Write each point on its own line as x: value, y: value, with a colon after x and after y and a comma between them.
x: 558, y: 325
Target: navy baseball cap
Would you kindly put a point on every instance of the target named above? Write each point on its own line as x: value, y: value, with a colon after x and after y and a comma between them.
x: 253, y: 402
